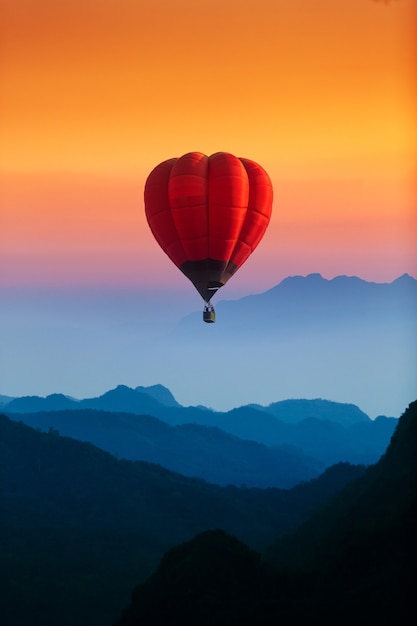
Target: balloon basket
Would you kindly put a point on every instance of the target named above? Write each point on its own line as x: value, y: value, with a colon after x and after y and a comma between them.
x: 209, y: 315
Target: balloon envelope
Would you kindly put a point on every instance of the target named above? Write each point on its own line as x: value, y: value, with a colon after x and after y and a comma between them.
x: 208, y: 214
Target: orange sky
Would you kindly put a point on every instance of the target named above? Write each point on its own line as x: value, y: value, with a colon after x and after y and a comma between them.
x: 94, y: 93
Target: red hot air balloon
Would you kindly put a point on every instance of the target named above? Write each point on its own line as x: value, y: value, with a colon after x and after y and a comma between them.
x: 208, y: 214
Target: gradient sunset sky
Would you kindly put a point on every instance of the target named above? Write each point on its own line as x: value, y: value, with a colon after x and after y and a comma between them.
x: 95, y: 93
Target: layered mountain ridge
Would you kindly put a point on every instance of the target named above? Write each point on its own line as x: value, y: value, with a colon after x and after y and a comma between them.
x: 265, y: 446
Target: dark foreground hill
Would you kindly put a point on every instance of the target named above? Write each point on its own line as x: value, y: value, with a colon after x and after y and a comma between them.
x: 78, y: 527
x: 354, y: 562
x: 212, y: 580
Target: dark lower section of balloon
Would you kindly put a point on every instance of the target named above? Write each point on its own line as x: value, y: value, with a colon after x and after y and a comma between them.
x: 208, y: 275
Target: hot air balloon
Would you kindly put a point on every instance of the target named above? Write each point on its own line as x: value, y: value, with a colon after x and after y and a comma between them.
x: 208, y: 214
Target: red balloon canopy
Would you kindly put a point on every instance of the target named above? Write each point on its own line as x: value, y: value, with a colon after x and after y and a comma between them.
x: 208, y: 214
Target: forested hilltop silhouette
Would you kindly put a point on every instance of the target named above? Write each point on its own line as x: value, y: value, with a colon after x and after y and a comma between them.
x: 353, y: 562
x: 79, y: 528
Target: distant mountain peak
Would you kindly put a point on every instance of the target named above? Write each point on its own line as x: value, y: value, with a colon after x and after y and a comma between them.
x: 120, y: 390
x: 58, y: 396
x: 160, y: 393
x: 314, y: 285
x: 157, y: 393
x: 315, y: 276
x: 404, y: 278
